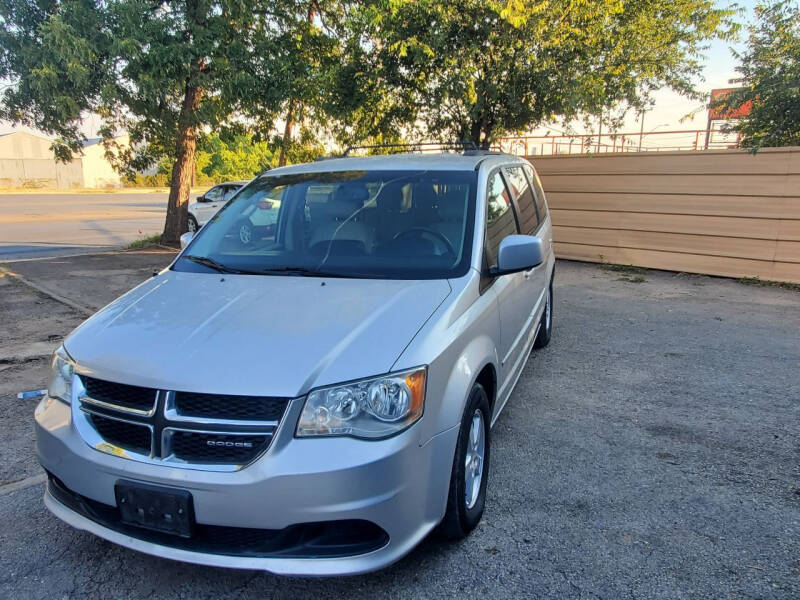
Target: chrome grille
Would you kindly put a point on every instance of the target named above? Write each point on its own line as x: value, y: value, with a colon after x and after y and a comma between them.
x: 207, y: 431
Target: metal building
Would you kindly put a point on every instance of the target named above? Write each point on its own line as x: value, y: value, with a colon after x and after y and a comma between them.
x: 27, y: 161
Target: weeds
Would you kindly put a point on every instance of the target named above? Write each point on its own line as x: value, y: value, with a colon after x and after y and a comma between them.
x: 627, y: 269
x: 767, y: 283
x: 145, y: 242
x: 629, y: 273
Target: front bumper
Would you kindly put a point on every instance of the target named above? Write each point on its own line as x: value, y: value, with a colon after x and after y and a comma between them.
x: 398, y: 484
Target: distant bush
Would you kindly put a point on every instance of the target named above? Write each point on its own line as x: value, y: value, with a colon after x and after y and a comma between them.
x: 139, y: 180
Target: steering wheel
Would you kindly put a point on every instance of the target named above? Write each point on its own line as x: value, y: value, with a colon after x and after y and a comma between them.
x: 421, y: 231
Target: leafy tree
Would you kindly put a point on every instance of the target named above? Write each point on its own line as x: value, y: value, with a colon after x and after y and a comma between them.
x: 479, y: 68
x: 164, y: 72
x: 770, y: 72
x: 241, y: 157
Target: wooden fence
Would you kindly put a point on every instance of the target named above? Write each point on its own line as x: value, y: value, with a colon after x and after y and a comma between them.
x: 723, y: 212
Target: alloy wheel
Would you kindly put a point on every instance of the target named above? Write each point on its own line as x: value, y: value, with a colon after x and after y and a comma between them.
x: 473, y: 462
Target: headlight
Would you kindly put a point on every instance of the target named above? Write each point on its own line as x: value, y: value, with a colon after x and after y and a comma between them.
x: 370, y: 408
x: 61, y: 371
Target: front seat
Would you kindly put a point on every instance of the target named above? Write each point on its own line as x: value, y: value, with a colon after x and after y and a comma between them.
x: 339, y: 224
x: 391, y: 218
x: 451, y: 212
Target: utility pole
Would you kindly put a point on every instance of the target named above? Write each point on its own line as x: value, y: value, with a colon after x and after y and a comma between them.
x: 641, y: 130
x: 600, y: 131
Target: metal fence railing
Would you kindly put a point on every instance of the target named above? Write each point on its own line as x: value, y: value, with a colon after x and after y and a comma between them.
x: 592, y: 143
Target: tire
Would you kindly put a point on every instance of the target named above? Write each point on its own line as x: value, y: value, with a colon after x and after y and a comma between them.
x: 465, y: 504
x: 546, y: 324
x: 244, y: 230
x: 193, y: 224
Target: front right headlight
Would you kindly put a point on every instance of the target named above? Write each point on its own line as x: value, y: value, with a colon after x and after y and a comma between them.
x: 373, y: 408
x: 62, y: 368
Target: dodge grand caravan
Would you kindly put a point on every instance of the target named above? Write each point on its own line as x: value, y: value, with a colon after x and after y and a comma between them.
x: 315, y: 401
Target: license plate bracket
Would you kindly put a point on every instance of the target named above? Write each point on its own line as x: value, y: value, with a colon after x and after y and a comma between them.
x: 162, y: 509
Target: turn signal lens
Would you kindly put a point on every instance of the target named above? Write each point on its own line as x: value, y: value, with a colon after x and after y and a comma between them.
x: 61, y: 371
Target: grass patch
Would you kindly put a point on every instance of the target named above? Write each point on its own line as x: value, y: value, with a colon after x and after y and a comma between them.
x: 628, y: 273
x: 757, y: 281
x: 635, y: 279
x: 627, y: 269
x: 145, y: 242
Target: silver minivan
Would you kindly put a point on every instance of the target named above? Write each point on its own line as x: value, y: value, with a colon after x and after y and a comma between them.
x: 317, y: 399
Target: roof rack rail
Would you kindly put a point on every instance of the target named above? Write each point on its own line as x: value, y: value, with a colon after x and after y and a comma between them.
x: 416, y: 147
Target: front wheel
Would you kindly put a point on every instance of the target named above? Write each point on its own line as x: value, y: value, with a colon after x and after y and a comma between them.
x: 546, y: 324
x: 467, y: 496
x: 245, y: 230
x: 193, y: 225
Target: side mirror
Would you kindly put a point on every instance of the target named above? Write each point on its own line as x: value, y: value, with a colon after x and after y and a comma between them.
x: 518, y: 253
x: 186, y: 238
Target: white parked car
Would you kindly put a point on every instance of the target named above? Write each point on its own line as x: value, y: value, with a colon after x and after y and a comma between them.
x: 207, y: 205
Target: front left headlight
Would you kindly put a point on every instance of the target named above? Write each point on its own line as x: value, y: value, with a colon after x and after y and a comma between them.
x: 62, y: 369
x: 370, y: 408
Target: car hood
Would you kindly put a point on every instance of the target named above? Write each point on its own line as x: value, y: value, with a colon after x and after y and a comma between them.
x: 253, y: 335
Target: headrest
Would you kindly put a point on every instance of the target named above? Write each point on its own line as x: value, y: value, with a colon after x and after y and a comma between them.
x: 348, y: 198
x: 425, y: 196
x: 451, y: 208
x: 390, y: 197
x: 353, y: 193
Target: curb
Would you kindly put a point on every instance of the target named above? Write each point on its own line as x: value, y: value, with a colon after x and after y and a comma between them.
x: 85, y: 310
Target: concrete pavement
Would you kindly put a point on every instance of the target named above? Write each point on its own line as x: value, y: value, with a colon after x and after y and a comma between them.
x: 40, y: 225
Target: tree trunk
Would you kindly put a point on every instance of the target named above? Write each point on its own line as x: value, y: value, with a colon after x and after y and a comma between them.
x: 183, y: 168
x: 475, y: 133
x: 287, y: 133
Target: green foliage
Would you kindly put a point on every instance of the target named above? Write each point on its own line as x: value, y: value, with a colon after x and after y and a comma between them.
x: 141, y: 180
x: 144, y: 242
x: 770, y: 72
x: 475, y: 69
x: 240, y: 157
x: 133, y: 62
x: 55, y: 55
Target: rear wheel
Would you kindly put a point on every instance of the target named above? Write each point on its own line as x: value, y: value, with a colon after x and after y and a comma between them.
x: 467, y: 496
x: 546, y: 324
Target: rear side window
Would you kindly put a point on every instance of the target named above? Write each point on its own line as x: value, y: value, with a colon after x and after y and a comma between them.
x: 528, y: 220
x: 541, y: 205
x: 500, y: 219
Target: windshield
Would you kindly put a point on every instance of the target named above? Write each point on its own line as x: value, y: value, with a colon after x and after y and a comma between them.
x: 367, y: 224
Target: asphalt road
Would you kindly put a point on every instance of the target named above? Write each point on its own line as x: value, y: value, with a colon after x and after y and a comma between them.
x: 37, y: 225
x: 651, y: 451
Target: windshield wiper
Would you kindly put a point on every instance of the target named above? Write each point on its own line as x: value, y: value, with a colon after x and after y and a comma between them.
x: 305, y: 272
x: 217, y: 266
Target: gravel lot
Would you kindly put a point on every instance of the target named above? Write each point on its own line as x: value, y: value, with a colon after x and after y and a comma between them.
x: 651, y: 451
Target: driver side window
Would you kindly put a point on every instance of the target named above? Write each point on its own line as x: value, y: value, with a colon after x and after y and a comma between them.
x: 500, y: 218
x: 214, y: 194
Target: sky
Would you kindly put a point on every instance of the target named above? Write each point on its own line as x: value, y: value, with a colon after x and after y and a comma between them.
x: 671, y: 111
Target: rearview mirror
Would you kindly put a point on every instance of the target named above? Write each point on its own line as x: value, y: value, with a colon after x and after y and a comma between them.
x: 518, y: 253
x: 186, y: 238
